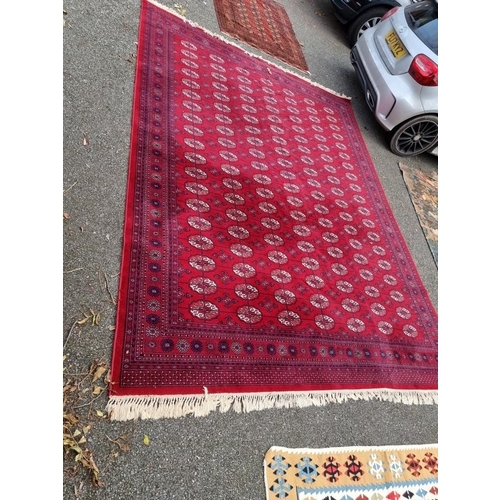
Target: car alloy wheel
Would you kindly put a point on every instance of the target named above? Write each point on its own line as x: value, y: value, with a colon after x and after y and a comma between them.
x: 365, y: 21
x: 415, y: 136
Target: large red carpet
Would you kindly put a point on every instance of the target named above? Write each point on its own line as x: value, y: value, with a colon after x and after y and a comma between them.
x: 262, y: 266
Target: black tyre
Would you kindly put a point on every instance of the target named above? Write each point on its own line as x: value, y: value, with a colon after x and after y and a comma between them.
x: 366, y: 20
x: 415, y: 136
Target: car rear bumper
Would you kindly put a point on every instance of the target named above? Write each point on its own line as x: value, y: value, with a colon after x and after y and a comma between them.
x: 393, y: 99
x: 371, y: 96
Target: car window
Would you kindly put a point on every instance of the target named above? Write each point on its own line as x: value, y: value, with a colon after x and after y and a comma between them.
x: 422, y: 18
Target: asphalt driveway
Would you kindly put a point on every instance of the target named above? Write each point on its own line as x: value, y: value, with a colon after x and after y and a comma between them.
x: 218, y: 456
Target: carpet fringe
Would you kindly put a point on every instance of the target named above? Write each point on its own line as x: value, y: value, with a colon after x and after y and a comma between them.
x: 155, y: 407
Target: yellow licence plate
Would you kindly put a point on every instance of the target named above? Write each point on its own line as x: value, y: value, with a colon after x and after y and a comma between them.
x: 397, y: 48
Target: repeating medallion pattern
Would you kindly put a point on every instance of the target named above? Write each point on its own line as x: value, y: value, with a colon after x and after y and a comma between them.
x: 262, y: 253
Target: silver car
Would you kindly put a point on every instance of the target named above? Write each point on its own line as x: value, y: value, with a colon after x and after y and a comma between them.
x: 397, y: 64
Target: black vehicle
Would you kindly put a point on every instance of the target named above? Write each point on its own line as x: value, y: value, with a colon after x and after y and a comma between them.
x: 359, y: 15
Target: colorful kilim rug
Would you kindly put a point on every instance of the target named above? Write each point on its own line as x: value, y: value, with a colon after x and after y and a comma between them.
x: 354, y: 473
x: 263, y: 24
x: 423, y: 190
x: 262, y: 266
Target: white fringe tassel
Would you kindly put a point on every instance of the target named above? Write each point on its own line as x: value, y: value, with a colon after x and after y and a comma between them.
x: 156, y: 407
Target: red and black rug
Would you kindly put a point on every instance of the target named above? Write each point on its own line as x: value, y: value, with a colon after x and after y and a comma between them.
x: 262, y: 265
x: 263, y: 24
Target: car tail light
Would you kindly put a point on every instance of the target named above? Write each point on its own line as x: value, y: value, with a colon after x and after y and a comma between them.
x: 389, y: 13
x: 424, y: 71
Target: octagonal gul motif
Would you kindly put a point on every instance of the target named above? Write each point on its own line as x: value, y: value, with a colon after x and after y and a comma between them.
x: 203, y: 286
x: 246, y: 291
x: 277, y: 257
x: 285, y: 297
x: 350, y: 305
x: 270, y: 223
x: 324, y: 322
x: 310, y: 263
x: 199, y: 223
x: 244, y: 270
x: 289, y: 318
x: 281, y: 276
x: 203, y: 309
x: 236, y: 215
x: 320, y: 301
x: 249, y: 314
x: 241, y: 250
x: 202, y: 263
x: 314, y: 281
x: 356, y: 325
x: 196, y: 188
x: 201, y: 242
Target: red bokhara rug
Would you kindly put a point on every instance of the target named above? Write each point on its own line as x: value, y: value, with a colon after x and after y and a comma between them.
x: 262, y: 266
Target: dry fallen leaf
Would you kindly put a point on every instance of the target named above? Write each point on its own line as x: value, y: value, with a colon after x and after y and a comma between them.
x: 97, y: 390
x: 96, y: 316
x: 122, y: 442
x: 72, y: 419
x: 85, y: 142
x: 84, y: 320
x: 99, y: 372
x: 74, y: 430
x: 180, y: 9
x: 146, y: 439
x: 65, y: 215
